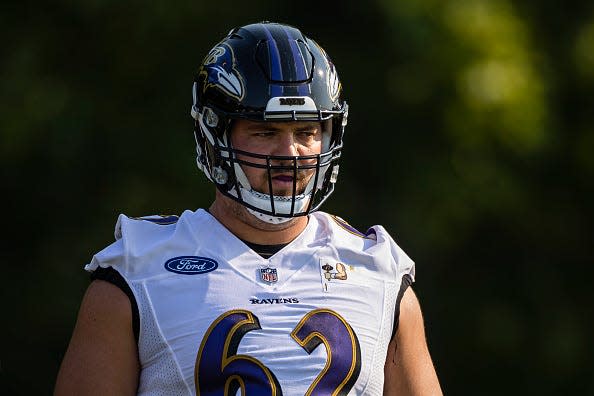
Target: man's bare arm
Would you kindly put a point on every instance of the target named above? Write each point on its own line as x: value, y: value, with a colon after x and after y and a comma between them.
x: 102, y: 358
x: 409, y: 370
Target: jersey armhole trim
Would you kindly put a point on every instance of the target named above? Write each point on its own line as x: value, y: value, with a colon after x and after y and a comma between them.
x: 112, y: 276
x: 406, y: 282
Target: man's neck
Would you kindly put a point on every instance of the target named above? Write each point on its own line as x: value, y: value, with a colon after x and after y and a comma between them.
x: 246, y: 226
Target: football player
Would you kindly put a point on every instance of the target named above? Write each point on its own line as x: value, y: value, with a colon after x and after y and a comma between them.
x: 260, y: 294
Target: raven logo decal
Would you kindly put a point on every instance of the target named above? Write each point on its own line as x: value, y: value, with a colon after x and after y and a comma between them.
x: 219, y: 71
x: 333, y: 83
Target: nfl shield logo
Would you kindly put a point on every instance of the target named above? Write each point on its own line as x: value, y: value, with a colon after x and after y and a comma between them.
x: 268, y: 275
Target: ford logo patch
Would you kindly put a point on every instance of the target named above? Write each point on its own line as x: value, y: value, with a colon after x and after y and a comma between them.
x: 190, y: 265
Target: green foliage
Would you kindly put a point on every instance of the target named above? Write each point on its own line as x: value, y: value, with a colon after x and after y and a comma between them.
x: 470, y: 138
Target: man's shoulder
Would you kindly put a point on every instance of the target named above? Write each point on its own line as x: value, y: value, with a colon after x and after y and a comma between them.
x: 375, y: 246
x: 141, y: 240
x: 153, y: 226
x: 126, y: 225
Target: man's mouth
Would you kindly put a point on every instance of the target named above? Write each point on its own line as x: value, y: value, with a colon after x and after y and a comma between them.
x: 283, y: 178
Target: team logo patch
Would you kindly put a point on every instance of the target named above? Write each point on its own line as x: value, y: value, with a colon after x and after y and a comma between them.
x: 191, y: 265
x: 268, y: 274
x: 334, y: 273
x: 331, y: 273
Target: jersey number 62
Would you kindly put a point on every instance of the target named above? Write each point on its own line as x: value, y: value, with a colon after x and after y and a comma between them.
x: 219, y: 371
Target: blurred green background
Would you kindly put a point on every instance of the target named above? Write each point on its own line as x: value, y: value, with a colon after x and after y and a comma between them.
x: 471, y: 138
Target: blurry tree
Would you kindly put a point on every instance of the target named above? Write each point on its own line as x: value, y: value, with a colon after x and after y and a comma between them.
x: 491, y: 191
x: 470, y: 138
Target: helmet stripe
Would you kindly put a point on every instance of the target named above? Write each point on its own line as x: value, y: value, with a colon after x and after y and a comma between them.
x: 299, y: 62
x: 276, y: 72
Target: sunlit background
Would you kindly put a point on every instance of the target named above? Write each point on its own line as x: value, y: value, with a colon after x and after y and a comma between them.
x: 470, y: 137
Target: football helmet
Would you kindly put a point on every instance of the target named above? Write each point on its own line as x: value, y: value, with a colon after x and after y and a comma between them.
x: 268, y: 72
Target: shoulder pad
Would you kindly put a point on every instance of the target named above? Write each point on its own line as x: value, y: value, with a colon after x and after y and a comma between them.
x: 152, y: 219
x: 370, y: 234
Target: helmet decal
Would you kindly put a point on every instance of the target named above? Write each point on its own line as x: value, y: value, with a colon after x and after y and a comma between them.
x: 219, y: 67
x: 333, y: 83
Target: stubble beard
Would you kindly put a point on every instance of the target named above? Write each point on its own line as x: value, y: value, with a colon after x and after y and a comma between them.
x: 303, y: 178
x: 241, y: 213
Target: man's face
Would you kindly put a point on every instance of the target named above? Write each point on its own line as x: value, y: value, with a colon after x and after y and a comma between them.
x: 292, y: 138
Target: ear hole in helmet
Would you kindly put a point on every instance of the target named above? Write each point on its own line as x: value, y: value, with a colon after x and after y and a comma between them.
x: 210, y: 117
x: 326, y: 126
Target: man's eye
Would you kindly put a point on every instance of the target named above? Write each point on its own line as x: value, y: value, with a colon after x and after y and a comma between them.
x: 264, y: 134
x: 308, y: 134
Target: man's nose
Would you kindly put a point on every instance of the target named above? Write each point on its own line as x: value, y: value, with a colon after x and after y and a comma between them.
x: 286, y: 145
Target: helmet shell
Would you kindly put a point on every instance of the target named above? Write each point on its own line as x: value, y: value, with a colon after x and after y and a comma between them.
x: 257, y: 62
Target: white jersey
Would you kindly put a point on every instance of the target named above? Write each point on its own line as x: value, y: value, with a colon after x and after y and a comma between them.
x: 315, y: 317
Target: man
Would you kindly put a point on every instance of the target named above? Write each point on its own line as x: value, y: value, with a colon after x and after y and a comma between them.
x: 261, y: 294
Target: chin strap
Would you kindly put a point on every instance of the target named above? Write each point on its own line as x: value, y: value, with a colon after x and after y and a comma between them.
x: 267, y: 218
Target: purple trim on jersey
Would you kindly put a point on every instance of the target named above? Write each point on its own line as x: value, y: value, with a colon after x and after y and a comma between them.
x: 276, y: 72
x: 371, y: 231
x: 346, y: 226
x: 163, y: 220
x: 300, y: 67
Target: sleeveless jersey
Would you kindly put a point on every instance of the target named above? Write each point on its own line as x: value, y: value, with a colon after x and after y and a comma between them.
x: 218, y: 319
